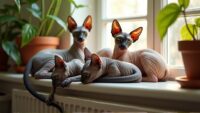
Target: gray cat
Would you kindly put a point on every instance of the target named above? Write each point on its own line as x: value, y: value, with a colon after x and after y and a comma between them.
x: 111, y: 70
x: 62, y: 71
x: 42, y: 64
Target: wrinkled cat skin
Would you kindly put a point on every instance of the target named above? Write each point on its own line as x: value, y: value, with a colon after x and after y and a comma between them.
x: 62, y: 71
x: 112, y: 70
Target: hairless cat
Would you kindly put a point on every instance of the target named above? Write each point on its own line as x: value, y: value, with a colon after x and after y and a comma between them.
x: 62, y: 71
x: 150, y: 62
x: 102, y: 69
x: 42, y: 64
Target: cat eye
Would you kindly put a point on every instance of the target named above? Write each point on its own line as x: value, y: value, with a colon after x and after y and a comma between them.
x: 129, y: 42
x: 84, y: 33
x: 119, y: 39
x: 77, y: 34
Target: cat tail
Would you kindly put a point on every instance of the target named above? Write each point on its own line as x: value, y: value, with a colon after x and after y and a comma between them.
x: 135, y: 77
x: 32, y: 91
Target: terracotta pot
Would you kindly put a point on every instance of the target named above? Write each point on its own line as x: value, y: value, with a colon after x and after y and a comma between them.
x: 191, y: 58
x: 36, y: 45
x: 3, y: 60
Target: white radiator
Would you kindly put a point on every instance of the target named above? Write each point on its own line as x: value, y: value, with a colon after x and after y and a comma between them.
x: 23, y: 102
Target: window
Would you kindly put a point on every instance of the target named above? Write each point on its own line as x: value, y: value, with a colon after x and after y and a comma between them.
x: 173, y: 55
x: 135, y: 13
x: 130, y: 14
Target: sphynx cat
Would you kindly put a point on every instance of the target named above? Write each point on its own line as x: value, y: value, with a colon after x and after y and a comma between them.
x: 42, y: 64
x: 62, y: 71
x: 98, y: 68
x: 150, y: 62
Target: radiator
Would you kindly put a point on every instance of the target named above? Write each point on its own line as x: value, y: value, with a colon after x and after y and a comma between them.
x: 23, y: 102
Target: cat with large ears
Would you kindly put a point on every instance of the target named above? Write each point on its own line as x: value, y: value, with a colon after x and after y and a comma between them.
x: 42, y: 64
x: 62, y: 73
x: 102, y: 69
x: 150, y: 62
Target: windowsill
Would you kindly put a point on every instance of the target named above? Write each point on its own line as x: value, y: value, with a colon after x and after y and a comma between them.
x: 161, y: 90
x: 162, y: 96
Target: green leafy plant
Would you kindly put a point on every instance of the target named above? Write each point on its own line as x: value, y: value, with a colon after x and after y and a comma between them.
x: 10, y: 28
x: 170, y: 13
x: 13, y: 25
x: 46, y: 16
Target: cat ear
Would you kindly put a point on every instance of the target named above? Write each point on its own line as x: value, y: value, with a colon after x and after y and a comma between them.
x: 95, y: 59
x: 116, y: 28
x: 136, y: 33
x: 71, y: 23
x: 87, y: 54
x: 88, y: 23
x: 59, y: 62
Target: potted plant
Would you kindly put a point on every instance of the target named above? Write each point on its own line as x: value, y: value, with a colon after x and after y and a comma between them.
x: 10, y: 25
x: 189, y: 45
x: 40, y: 34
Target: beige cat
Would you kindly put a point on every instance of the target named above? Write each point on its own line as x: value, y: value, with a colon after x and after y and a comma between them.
x: 150, y: 62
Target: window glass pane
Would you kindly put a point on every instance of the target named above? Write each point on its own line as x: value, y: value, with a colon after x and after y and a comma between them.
x: 128, y: 26
x: 125, y: 8
x: 193, y: 3
x: 174, y: 56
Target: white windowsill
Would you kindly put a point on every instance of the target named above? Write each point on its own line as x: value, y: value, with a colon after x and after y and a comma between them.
x: 161, y: 90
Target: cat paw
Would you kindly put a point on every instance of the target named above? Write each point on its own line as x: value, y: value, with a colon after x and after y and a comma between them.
x: 151, y: 78
x: 66, y: 83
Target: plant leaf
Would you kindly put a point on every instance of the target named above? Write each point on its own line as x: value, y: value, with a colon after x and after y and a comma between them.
x: 11, y: 49
x: 10, y: 7
x: 28, y: 33
x: 185, y: 35
x: 17, y: 2
x: 81, y: 6
x: 35, y: 10
x: 197, y: 22
x: 7, y: 9
x: 7, y: 18
x: 184, y: 3
x: 166, y: 17
x: 59, y: 21
x: 31, y: 1
x: 73, y: 2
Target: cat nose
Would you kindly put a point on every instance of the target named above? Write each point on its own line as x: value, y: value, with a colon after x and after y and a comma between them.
x: 122, y: 46
x: 80, y: 39
x: 84, y: 77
